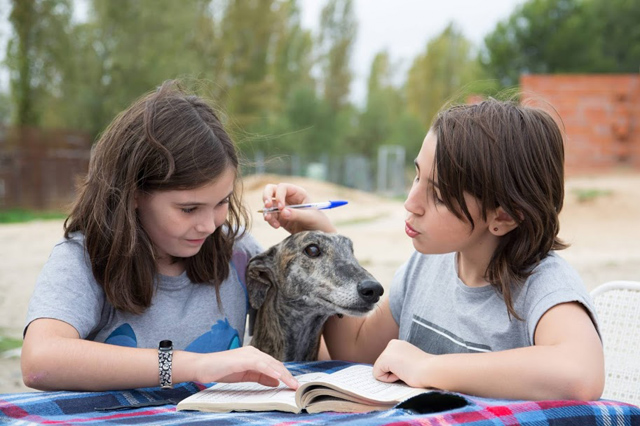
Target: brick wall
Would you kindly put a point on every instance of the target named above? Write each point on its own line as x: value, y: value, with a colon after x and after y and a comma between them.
x: 601, y: 116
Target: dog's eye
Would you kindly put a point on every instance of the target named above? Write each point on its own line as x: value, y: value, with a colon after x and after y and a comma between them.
x: 312, y: 250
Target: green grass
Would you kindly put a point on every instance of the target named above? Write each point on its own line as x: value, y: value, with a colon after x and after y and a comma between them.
x: 7, y: 343
x: 21, y: 215
x: 589, y: 194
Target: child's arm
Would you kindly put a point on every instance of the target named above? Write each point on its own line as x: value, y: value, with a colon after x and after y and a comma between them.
x: 567, y: 362
x: 361, y: 339
x: 54, y: 357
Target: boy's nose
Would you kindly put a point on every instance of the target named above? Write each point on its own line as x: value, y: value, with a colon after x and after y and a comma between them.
x: 413, y: 203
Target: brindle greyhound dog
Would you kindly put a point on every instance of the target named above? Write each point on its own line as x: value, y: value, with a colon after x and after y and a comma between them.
x: 296, y: 285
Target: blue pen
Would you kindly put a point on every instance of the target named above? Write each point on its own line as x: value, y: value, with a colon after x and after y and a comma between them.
x: 318, y: 206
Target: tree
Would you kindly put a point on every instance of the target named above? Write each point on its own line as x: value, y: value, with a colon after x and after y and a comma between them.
x: 338, y: 28
x: 545, y: 36
x: 5, y: 108
x: 35, y: 54
x: 79, y: 99
x: 141, y: 44
x: 382, y: 110
x: 122, y: 51
x: 292, y: 58
x: 445, y: 72
x: 617, y: 24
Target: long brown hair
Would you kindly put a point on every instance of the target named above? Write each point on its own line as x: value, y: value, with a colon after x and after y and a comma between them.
x: 166, y: 140
x: 508, y: 155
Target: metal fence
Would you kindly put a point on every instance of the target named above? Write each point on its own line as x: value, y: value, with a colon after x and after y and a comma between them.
x: 39, y: 169
x: 384, y: 174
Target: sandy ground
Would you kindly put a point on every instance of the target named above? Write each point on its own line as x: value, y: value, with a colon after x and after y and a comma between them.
x: 604, y: 233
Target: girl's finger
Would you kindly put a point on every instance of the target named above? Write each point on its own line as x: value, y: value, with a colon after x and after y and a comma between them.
x: 286, y: 377
x: 277, y: 371
x: 283, y: 191
x: 268, y: 195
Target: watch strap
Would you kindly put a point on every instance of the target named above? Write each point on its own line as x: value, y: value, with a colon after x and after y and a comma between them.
x: 165, y: 364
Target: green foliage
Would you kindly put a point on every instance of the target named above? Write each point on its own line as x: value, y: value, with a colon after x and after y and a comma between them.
x: 616, y: 24
x: 309, y: 129
x: 383, y: 110
x: 8, y: 343
x: 5, y: 108
x: 338, y: 28
x: 20, y: 215
x: 584, y: 195
x: 564, y: 36
x: 441, y: 74
x: 36, y: 54
x: 279, y: 88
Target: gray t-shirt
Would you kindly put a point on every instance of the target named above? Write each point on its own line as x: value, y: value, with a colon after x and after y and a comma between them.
x: 439, y: 314
x: 181, y: 311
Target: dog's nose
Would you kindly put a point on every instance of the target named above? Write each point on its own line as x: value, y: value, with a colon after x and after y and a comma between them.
x: 370, y: 291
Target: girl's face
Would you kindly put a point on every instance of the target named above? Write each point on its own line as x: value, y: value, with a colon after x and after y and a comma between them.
x: 433, y: 228
x: 179, y: 221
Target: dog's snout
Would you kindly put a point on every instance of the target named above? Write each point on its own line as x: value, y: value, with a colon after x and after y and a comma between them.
x: 370, y: 291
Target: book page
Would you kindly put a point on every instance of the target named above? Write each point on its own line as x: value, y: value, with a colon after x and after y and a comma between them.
x: 246, y: 396
x: 338, y: 405
x: 358, y: 380
x: 241, y: 397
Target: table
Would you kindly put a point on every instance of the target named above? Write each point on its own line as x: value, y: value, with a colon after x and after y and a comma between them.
x: 57, y: 408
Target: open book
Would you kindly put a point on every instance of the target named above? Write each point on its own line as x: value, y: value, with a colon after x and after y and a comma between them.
x: 350, y: 390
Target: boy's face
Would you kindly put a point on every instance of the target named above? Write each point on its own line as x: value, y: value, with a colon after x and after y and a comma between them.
x: 179, y: 221
x: 433, y: 228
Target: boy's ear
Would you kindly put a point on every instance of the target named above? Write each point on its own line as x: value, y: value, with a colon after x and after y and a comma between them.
x: 501, y: 222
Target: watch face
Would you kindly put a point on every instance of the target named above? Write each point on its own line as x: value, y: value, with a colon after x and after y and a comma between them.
x: 166, y: 344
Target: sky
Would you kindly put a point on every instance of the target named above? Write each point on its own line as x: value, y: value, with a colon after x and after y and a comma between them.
x: 402, y: 27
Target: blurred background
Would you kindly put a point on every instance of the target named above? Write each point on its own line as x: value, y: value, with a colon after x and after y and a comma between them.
x: 337, y: 94
x: 339, y: 90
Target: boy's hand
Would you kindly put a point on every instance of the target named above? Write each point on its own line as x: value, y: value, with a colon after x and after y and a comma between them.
x: 402, y: 361
x: 293, y: 220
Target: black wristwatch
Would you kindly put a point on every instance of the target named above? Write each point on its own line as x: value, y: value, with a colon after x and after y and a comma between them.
x: 165, y: 360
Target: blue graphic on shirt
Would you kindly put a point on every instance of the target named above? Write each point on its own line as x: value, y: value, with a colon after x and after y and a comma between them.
x: 123, y: 336
x: 221, y: 337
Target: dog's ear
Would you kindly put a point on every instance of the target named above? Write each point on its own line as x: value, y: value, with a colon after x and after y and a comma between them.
x: 260, y: 276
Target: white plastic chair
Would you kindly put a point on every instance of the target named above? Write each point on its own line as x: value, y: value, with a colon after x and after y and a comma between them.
x: 617, y: 305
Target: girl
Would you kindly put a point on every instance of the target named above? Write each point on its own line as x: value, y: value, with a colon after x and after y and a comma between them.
x: 147, y: 263
x: 484, y: 306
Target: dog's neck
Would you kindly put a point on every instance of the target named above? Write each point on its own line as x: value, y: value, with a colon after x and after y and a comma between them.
x: 286, y: 331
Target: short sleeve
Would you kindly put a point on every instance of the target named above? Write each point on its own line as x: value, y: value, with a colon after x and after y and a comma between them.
x: 397, y: 292
x: 66, y: 289
x: 554, y: 282
x: 244, y: 249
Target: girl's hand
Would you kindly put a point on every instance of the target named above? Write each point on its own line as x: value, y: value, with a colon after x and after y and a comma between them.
x: 402, y: 361
x: 293, y: 220
x: 245, y: 364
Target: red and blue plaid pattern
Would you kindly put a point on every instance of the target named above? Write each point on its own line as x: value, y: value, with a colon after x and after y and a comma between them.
x: 64, y: 408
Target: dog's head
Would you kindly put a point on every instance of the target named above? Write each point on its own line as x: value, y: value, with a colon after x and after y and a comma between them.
x: 314, y: 271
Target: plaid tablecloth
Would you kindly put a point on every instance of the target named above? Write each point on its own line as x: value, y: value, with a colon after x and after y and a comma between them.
x: 60, y: 408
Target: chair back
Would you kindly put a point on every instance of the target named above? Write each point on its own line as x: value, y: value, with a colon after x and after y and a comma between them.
x: 617, y: 305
